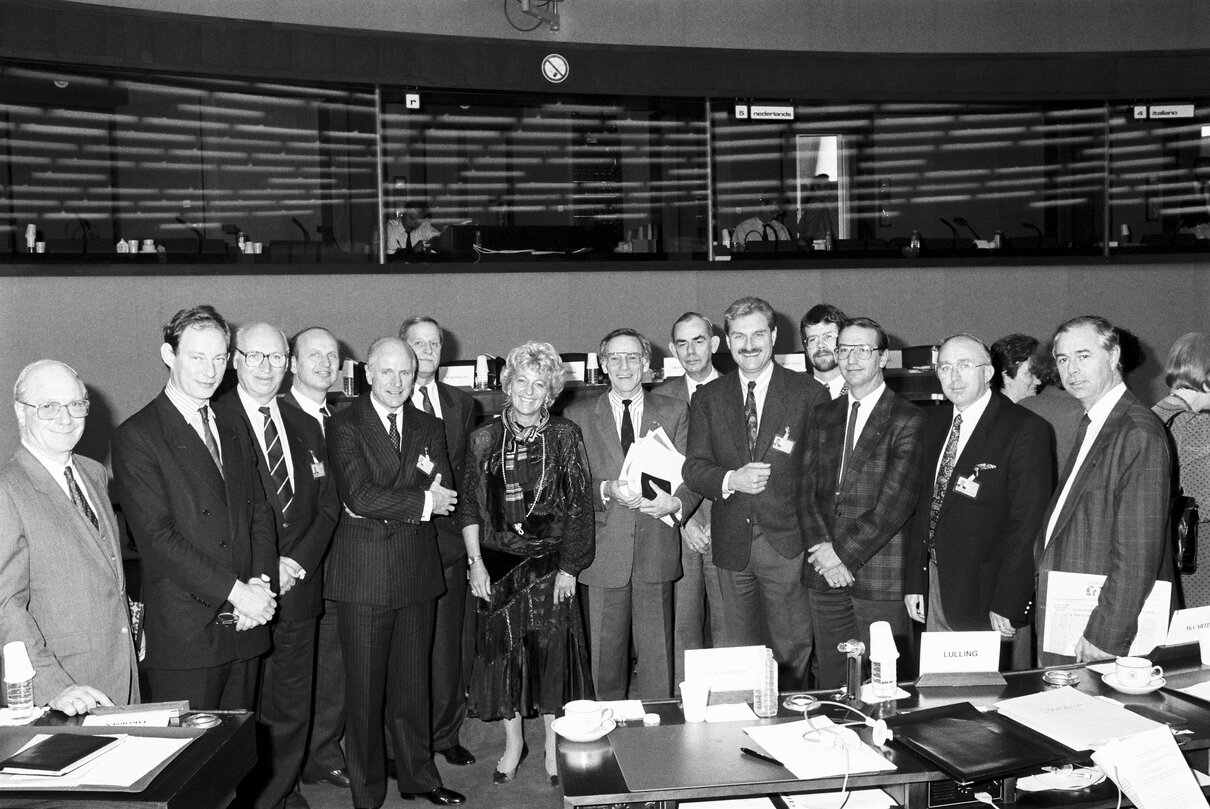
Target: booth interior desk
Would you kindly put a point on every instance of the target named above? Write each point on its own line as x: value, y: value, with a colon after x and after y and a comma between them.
x: 677, y: 761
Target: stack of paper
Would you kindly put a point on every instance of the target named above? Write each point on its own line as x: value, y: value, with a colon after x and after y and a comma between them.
x: 653, y: 462
x: 1150, y: 770
x: 1073, y: 718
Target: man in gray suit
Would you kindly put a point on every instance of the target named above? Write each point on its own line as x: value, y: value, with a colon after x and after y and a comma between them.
x: 1110, y: 511
x: 629, y: 583
x: 62, y: 589
x: 696, y: 593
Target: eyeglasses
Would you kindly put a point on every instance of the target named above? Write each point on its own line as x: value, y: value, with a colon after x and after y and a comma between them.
x: 828, y: 339
x: 862, y: 352
x: 432, y: 346
x: 253, y: 359
x: 49, y: 411
x: 616, y: 360
x: 961, y: 366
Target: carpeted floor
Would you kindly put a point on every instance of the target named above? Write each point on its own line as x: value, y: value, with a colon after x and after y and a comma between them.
x: 529, y: 790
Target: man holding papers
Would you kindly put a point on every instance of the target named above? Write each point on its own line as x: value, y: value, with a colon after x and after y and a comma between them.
x: 1109, y: 514
x: 629, y: 584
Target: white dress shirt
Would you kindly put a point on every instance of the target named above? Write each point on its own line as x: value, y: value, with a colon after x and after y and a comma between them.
x: 758, y: 393
x: 834, y: 385
x: 257, y: 419
x: 863, y: 413
x: 386, y: 425
x: 188, y: 406
x: 418, y: 398
x: 311, y: 407
x: 56, y: 467
x: 692, y: 384
x: 970, y: 418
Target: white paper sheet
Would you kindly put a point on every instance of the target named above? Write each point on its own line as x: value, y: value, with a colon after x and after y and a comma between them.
x: 1078, y: 720
x: 1151, y: 771
x: 654, y: 454
x: 857, y: 799
x: 807, y: 760
x: 959, y: 652
x: 1071, y: 598
x: 730, y: 712
x: 149, y: 719
x: 727, y: 668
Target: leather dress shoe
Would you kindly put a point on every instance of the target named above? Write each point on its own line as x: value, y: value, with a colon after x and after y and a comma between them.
x: 439, y: 796
x: 458, y: 755
x: 337, y: 778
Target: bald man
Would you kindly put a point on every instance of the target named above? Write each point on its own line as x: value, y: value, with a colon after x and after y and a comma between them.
x: 62, y: 589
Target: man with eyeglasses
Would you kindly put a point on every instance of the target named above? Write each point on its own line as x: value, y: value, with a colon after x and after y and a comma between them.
x: 747, y: 431
x: 293, y: 466
x: 628, y: 587
x: 698, y: 599
x: 984, y: 483
x: 456, y: 410
x: 196, y: 509
x: 62, y: 587
x: 862, y: 467
x: 820, y: 327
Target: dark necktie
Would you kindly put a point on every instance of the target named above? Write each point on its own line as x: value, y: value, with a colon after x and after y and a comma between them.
x: 949, y: 457
x: 427, y: 403
x: 850, y: 440
x: 77, y: 497
x: 1070, y: 466
x: 208, y: 437
x: 277, y: 462
x: 765, y: 230
x: 393, y: 432
x: 750, y: 416
x: 327, y: 418
x: 627, y: 427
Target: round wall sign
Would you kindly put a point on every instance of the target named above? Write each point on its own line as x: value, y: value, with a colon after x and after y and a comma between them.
x: 555, y: 68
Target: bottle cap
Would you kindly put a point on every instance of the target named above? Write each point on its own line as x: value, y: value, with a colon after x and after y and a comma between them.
x: 17, y: 667
x: 882, y: 643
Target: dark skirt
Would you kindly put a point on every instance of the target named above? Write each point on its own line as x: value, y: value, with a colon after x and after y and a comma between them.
x: 530, y: 654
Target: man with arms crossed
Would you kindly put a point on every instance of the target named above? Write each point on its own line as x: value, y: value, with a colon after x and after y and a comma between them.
x: 861, y: 467
x: 696, y: 594
x: 1109, y: 514
x: 62, y: 589
x: 193, y: 500
x: 293, y: 469
x: 747, y: 431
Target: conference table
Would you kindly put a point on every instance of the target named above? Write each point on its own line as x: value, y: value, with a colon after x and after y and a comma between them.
x: 676, y: 761
x: 202, y: 776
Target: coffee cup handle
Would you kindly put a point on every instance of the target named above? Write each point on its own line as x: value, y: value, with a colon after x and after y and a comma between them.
x: 607, y: 713
x: 1156, y: 672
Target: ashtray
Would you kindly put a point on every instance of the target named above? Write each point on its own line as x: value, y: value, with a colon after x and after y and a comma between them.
x: 1061, y: 677
x: 799, y: 702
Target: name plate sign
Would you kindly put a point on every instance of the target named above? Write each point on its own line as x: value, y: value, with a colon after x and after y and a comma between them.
x: 1188, y: 625
x: 959, y: 652
x: 731, y: 668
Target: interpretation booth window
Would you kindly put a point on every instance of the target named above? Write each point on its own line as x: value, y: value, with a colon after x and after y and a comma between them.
x: 186, y: 169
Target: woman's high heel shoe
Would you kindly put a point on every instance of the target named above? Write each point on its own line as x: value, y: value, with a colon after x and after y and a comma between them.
x: 499, y: 777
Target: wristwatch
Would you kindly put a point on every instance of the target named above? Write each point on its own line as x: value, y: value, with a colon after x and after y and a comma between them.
x: 470, y: 560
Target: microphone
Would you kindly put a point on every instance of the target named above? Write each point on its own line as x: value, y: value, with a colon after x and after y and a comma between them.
x: 196, y: 232
x: 306, y: 235
x: 962, y: 223
x: 953, y: 230
x: 1035, y: 229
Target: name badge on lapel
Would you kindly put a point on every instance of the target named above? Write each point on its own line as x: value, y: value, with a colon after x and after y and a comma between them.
x: 970, y: 485
x: 424, y: 463
x: 317, y: 467
x: 784, y: 443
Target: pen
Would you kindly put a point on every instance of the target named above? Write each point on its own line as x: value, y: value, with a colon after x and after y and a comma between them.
x: 748, y: 751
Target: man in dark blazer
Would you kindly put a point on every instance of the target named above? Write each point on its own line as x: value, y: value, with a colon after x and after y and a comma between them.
x: 629, y: 583
x: 985, y: 480
x: 193, y: 500
x: 697, y: 607
x: 384, y: 573
x: 862, y: 465
x: 314, y: 368
x: 62, y: 588
x: 1109, y: 513
x: 456, y: 409
x: 294, y: 472
x: 747, y: 431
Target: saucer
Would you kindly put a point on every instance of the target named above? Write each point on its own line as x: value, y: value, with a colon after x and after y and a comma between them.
x: 565, y: 730
x: 1111, y: 680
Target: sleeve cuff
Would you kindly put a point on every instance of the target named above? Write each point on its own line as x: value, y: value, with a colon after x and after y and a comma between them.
x: 427, y: 514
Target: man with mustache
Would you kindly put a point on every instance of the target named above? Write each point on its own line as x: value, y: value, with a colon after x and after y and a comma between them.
x: 820, y: 327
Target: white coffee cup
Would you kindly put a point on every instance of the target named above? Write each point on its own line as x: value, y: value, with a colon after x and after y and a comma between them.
x: 694, y: 697
x: 1136, y: 671
x: 585, y: 715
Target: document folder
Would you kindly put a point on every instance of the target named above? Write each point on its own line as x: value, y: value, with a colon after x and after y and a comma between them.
x: 969, y: 746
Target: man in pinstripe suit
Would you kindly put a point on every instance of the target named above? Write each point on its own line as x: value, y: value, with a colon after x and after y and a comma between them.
x: 862, y: 467
x: 1109, y: 513
x: 384, y: 573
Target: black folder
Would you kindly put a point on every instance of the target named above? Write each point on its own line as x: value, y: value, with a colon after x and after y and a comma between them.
x: 57, y: 754
x: 969, y: 745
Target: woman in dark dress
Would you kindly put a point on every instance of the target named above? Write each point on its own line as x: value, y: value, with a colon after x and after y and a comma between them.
x: 527, y: 520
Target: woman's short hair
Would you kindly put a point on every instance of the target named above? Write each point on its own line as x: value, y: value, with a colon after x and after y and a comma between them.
x: 1007, y: 355
x: 1188, y: 366
x: 540, y: 357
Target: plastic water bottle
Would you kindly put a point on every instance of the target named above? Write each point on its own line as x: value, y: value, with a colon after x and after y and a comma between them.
x: 18, y: 679
x: 764, y: 696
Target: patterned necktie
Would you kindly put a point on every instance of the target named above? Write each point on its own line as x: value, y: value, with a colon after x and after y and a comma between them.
x: 750, y: 415
x: 844, y: 391
x: 77, y: 497
x: 208, y: 436
x: 948, y: 458
x: 627, y: 427
x: 393, y: 432
x: 277, y: 462
x: 850, y: 440
x: 1070, y: 466
x: 427, y: 403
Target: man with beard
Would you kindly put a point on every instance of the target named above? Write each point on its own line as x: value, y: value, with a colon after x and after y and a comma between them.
x: 820, y: 327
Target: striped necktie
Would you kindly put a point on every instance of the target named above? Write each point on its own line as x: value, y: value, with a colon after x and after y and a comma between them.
x: 77, y: 497
x: 277, y: 462
x: 208, y: 437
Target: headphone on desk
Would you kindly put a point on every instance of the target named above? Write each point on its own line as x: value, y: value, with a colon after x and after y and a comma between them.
x: 880, y: 731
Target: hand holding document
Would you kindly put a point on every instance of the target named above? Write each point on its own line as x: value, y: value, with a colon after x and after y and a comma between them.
x: 652, y: 463
x: 1070, y: 599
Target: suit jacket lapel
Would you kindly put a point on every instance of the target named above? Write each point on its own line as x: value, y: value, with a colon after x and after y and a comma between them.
x: 771, y: 415
x: 1091, y: 460
x: 972, y: 451
x: 607, y: 428
x: 86, y: 535
x: 376, y: 432
x: 870, y: 434
x: 190, y: 447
